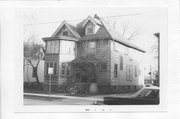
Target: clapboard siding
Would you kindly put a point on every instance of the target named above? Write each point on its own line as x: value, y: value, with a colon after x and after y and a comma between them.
x: 122, y: 78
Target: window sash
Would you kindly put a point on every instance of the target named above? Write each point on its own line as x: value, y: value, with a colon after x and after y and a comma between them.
x: 121, y: 62
x: 47, y: 66
x: 89, y: 29
x: 55, y: 68
x: 52, y: 46
x: 115, y: 70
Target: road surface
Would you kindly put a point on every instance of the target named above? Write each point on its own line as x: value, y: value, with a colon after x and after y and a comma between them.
x: 32, y: 100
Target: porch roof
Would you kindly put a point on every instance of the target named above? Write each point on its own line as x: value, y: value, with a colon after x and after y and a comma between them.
x: 60, y: 38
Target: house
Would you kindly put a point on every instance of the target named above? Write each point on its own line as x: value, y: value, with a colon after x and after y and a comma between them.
x: 115, y: 60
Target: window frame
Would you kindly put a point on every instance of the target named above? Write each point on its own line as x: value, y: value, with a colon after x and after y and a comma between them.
x: 48, y: 64
x: 52, y: 46
x: 121, y: 63
x: 90, y: 49
x: 55, y: 69
x: 135, y: 71
x: 103, y: 69
x: 115, y: 70
x: 68, y: 70
x: 90, y: 26
x: 63, y: 69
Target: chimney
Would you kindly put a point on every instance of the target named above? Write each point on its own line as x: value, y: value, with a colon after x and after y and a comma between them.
x: 96, y: 16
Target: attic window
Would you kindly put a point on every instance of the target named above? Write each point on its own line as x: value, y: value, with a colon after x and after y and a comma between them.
x: 65, y: 33
x: 89, y: 29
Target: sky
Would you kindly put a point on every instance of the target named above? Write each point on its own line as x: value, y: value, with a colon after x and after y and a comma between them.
x: 146, y: 21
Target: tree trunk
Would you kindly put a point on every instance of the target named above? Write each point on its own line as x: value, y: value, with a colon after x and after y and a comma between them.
x: 36, y: 74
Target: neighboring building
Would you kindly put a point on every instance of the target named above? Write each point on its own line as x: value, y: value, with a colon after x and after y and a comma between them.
x: 92, y: 40
x: 28, y: 70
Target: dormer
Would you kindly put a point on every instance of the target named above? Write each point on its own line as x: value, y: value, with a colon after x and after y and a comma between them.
x: 90, y: 26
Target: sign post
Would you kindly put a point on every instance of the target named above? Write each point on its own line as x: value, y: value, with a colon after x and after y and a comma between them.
x: 50, y: 72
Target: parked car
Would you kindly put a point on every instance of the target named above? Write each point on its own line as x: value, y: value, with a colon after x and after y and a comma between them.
x: 145, y: 96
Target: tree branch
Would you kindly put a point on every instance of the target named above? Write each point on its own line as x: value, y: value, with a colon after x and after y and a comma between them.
x: 134, y: 34
x: 29, y: 61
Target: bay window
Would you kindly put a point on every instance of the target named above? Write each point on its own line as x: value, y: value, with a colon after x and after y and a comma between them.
x: 52, y: 46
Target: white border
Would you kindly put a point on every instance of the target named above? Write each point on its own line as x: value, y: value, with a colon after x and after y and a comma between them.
x: 10, y: 67
x: 70, y: 108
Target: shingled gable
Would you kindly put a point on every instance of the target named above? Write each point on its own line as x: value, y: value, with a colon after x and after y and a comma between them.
x: 70, y: 27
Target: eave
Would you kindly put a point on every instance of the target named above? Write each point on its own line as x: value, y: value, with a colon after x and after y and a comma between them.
x: 60, y: 38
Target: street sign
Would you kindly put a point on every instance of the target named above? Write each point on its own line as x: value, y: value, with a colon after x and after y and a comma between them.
x: 50, y: 70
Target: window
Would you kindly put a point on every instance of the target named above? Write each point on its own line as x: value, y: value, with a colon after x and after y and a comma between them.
x: 55, y: 68
x: 48, y: 46
x: 65, y: 33
x: 52, y: 65
x: 135, y: 71
x: 68, y: 70
x: 47, y: 66
x: 121, y: 62
x: 56, y: 46
x: 115, y: 70
x: 89, y: 29
x: 103, y: 66
x: 92, y: 47
x: 52, y: 46
x: 63, y: 67
x: 67, y: 47
x: 129, y: 72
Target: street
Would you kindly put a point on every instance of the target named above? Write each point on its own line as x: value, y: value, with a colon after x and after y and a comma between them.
x: 39, y: 99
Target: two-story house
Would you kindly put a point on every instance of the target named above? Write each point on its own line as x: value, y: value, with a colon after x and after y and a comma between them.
x: 93, y: 41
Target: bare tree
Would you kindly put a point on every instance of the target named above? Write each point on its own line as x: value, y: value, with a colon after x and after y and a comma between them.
x: 155, y: 51
x: 33, y: 54
x: 33, y: 49
x: 129, y: 31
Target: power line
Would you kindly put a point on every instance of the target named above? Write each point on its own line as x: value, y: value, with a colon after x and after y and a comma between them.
x: 53, y: 22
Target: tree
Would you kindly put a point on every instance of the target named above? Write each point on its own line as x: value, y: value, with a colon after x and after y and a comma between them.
x: 32, y: 53
x: 155, y: 51
x: 130, y: 32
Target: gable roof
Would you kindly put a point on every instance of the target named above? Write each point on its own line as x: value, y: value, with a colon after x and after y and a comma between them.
x: 117, y: 37
x: 89, y: 18
x: 70, y: 27
x: 79, y: 32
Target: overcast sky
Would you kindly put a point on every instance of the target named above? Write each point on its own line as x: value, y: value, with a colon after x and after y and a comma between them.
x: 146, y: 20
